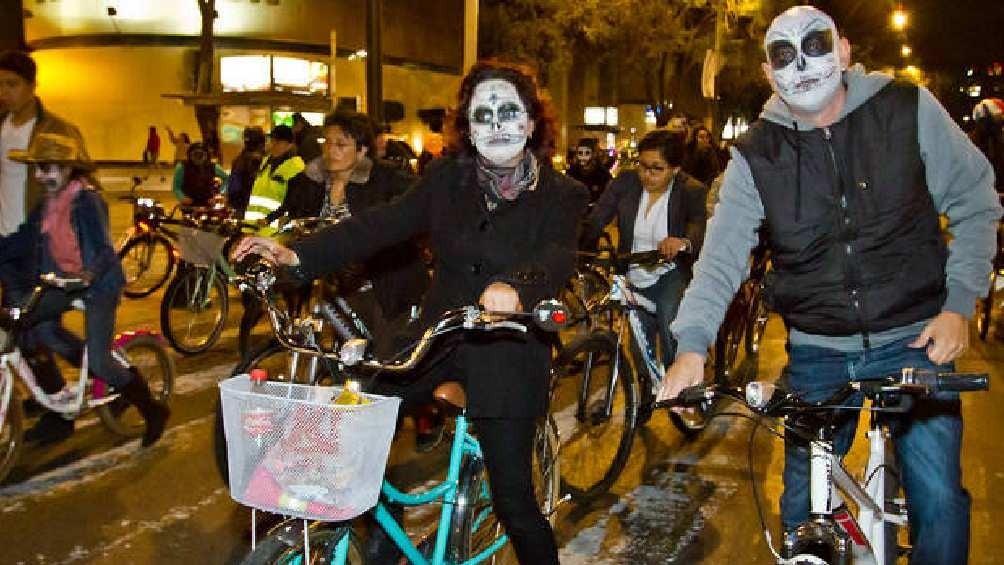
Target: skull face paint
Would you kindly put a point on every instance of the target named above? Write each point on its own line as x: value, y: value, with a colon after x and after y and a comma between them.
x: 500, y: 124
x: 801, y: 50
x: 584, y: 155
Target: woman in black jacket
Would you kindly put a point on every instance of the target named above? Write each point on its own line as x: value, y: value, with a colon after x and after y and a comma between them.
x: 502, y: 228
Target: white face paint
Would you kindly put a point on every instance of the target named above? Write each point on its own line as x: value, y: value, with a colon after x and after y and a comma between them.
x: 801, y: 47
x: 499, y: 122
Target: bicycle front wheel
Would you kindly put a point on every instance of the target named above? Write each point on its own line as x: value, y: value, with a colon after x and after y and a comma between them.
x: 284, y: 545
x: 194, y: 309
x: 147, y: 262
x: 277, y: 363
x: 475, y: 529
x: 11, y: 432
x: 986, y: 308
x: 147, y: 354
x: 594, y: 402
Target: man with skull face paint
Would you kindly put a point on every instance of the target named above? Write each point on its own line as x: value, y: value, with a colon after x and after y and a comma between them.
x: 503, y: 230
x: 588, y: 170
x: 849, y: 171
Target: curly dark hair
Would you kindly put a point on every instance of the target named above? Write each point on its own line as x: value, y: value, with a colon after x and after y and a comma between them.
x: 458, y: 132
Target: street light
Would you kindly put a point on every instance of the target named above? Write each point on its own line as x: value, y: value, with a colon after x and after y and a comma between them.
x: 899, y: 18
x: 905, y: 51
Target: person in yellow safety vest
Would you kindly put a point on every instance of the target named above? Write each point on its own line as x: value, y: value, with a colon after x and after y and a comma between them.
x: 270, y: 184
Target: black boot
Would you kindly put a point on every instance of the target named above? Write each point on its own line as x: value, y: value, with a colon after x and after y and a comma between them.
x: 137, y: 392
x: 50, y: 428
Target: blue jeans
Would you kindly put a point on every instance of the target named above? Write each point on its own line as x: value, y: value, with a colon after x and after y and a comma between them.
x: 928, y: 442
x: 666, y: 293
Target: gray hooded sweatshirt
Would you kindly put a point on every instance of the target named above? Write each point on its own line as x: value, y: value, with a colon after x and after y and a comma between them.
x: 959, y: 178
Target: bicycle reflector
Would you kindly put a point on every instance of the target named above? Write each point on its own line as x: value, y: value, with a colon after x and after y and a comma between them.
x: 550, y: 315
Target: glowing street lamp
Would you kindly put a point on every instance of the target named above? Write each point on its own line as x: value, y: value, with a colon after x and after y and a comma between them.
x: 905, y: 51
x: 899, y: 19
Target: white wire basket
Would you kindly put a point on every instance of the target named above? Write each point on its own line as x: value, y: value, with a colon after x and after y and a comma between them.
x: 199, y: 247
x: 291, y: 451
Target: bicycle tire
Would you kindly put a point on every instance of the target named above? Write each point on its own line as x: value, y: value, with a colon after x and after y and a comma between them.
x: 284, y: 545
x: 154, y: 279
x: 11, y: 433
x: 120, y: 417
x: 756, y: 323
x: 586, y: 432
x: 474, y: 527
x: 984, y: 318
x: 179, y: 296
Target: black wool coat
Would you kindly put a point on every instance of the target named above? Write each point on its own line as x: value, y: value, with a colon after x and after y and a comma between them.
x: 529, y: 243
x: 399, y: 276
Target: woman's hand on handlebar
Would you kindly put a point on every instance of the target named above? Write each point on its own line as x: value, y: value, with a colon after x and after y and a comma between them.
x: 673, y: 246
x: 500, y: 297
x: 267, y: 248
x: 686, y: 371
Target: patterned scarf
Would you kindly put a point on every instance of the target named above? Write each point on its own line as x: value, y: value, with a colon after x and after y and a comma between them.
x: 57, y: 223
x: 506, y: 183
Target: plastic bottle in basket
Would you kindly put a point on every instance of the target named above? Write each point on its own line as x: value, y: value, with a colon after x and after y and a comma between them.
x: 351, y: 394
x: 258, y: 421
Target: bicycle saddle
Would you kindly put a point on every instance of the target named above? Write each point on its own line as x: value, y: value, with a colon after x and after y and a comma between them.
x: 451, y: 396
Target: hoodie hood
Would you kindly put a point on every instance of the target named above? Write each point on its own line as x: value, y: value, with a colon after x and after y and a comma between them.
x: 860, y: 85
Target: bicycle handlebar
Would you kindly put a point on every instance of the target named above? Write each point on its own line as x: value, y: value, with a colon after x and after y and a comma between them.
x: 766, y: 398
x: 609, y: 256
x: 258, y: 277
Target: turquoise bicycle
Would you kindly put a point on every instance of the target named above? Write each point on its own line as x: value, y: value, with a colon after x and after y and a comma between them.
x: 466, y: 531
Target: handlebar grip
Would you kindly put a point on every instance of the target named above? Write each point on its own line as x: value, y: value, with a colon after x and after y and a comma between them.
x: 689, y: 396
x: 963, y: 382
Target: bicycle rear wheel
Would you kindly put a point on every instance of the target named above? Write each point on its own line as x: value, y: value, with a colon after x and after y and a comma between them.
x: 284, y: 545
x: 194, y: 309
x: 147, y: 354
x: 594, y: 402
x: 147, y: 262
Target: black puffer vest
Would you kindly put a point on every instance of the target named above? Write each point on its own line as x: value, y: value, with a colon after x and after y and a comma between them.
x: 853, y: 230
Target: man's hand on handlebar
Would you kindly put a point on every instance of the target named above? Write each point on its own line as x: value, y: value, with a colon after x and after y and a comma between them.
x: 686, y: 371
x: 267, y: 248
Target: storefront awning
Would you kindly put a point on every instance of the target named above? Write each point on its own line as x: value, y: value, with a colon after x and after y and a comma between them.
x: 300, y: 102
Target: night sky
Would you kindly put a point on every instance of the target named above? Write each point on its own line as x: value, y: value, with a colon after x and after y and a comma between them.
x: 946, y: 35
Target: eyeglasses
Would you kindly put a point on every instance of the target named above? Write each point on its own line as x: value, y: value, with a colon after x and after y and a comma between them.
x: 815, y: 44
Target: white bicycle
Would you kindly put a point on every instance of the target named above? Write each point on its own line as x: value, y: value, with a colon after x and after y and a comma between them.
x: 833, y: 534
x: 141, y: 349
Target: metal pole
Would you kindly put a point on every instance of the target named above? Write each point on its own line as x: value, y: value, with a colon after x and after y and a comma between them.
x: 374, y: 60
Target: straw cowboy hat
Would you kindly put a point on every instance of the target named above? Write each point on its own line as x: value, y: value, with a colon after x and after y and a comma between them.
x: 53, y: 148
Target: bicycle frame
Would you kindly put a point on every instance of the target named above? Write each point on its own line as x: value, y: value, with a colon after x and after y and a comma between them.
x: 829, y: 481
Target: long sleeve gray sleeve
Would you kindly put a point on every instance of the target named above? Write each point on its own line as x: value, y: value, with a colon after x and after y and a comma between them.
x: 724, y: 260
x: 961, y: 182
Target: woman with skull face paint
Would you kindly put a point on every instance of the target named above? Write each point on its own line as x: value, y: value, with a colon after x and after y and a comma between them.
x: 502, y: 229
